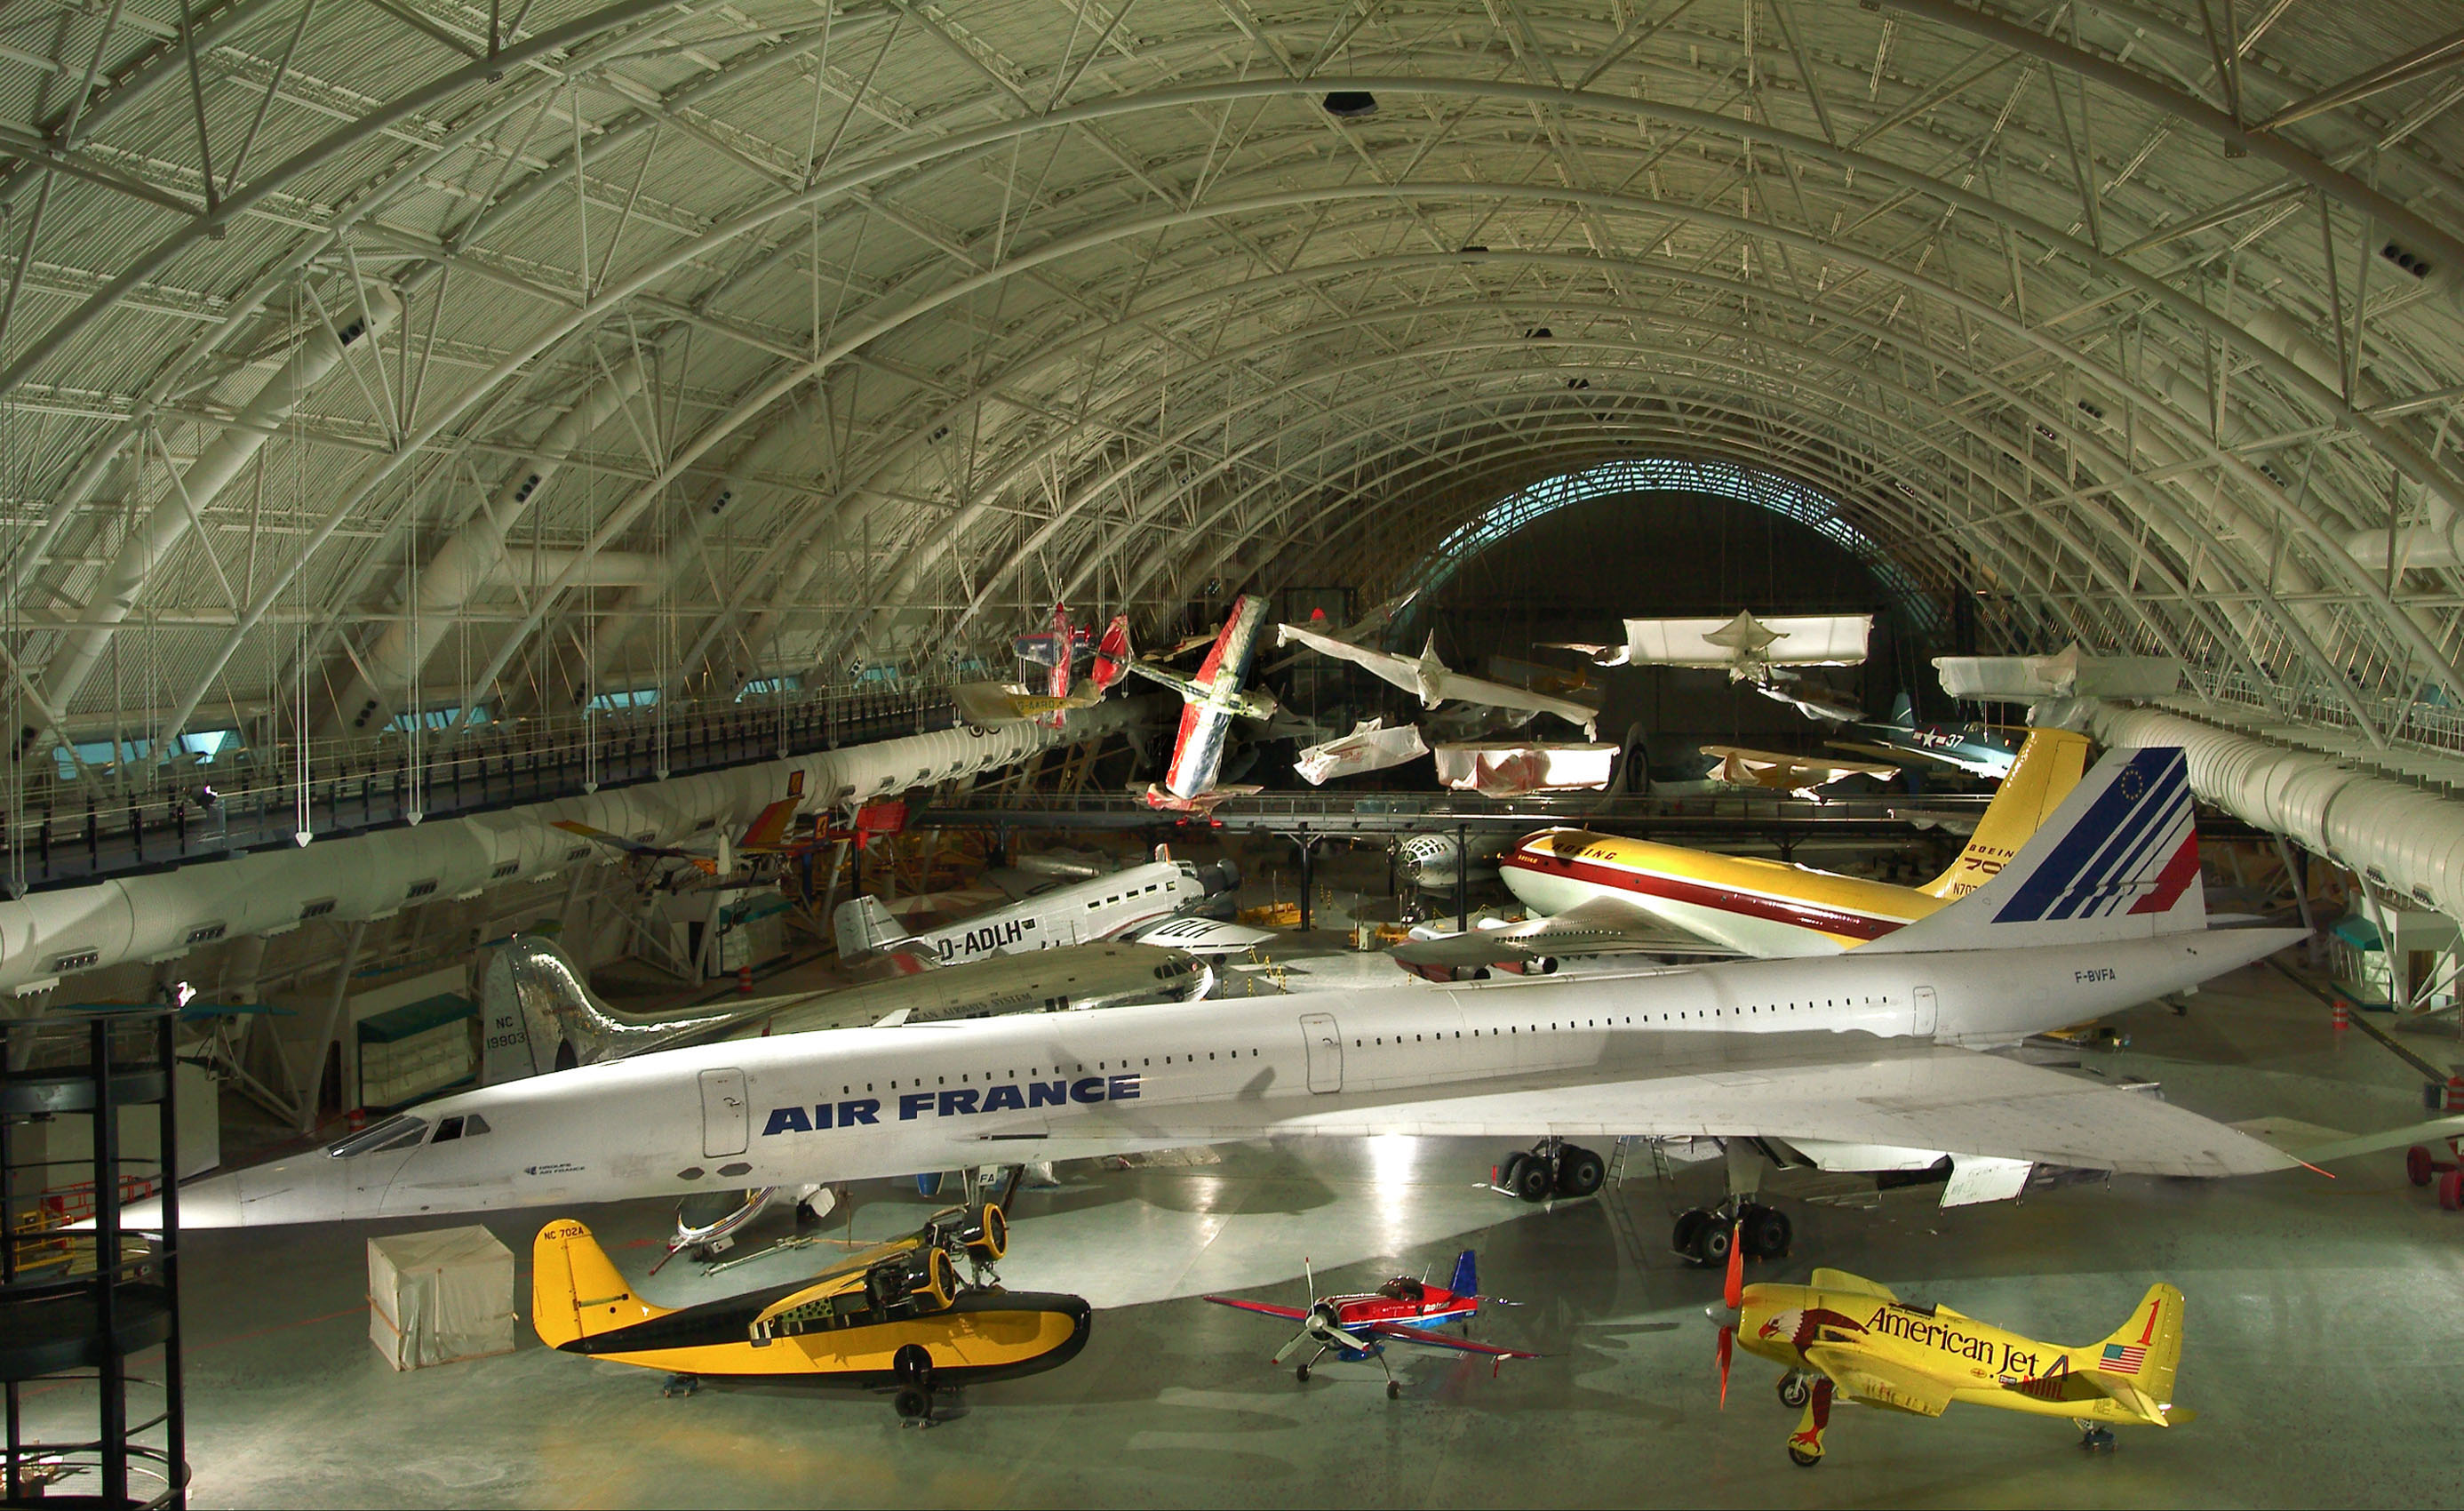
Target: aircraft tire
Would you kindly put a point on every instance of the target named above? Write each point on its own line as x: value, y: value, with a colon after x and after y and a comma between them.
x: 1394, y: 1389
x: 1687, y: 1238
x: 1300, y: 1374
x: 2450, y: 1191
x: 1801, y: 1458
x: 2419, y: 1165
x: 911, y: 1403
x: 1767, y: 1232
x: 1579, y: 1173
x: 1535, y: 1182
x: 1712, y: 1247
x: 1511, y: 1170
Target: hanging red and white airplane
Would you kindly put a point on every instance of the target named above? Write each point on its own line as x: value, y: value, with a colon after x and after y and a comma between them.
x: 1358, y: 1328
x: 986, y: 705
x: 1212, y: 698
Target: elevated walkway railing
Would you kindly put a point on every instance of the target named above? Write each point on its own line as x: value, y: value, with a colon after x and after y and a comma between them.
x: 67, y: 833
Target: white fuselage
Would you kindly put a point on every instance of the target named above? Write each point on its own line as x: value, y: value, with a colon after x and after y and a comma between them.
x: 845, y: 1106
x: 1077, y: 914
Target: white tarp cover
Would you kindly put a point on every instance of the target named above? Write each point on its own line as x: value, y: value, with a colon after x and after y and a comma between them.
x: 1796, y: 640
x: 1369, y: 747
x: 2072, y: 674
x: 1512, y: 769
x: 434, y: 1298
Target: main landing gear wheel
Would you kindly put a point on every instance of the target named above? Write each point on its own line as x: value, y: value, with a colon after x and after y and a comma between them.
x: 1534, y: 1181
x: 1300, y: 1374
x: 1394, y: 1389
x: 1579, y: 1173
x: 2420, y: 1167
x: 2097, y: 1439
x: 677, y: 1385
x: 1801, y: 1458
x: 1712, y: 1245
x: 1793, y: 1390
x: 912, y: 1365
x: 1689, y: 1232
x: 1767, y: 1231
x: 2451, y: 1190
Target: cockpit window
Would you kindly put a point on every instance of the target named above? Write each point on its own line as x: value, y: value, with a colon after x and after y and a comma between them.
x: 448, y: 1130
x: 394, y: 1133
x: 473, y: 1127
x: 1401, y: 1288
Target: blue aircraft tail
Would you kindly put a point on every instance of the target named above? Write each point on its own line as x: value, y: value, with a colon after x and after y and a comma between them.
x: 1467, y: 1281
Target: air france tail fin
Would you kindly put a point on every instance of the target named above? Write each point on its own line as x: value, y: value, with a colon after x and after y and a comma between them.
x: 1467, y: 1281
x: 575, y: 1292
x: 863, y: 926
x: 2047, y: 770
x: 2118, y: 860
x: 2137, y: 1362
x: 541, y: 1015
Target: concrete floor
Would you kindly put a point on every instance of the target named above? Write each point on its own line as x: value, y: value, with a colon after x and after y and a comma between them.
x: 2324, y: 1351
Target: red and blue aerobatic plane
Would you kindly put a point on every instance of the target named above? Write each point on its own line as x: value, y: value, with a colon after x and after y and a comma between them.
x: 1358, y: 1328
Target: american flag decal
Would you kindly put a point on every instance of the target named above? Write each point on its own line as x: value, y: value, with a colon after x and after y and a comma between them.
x: 2123, y: 1357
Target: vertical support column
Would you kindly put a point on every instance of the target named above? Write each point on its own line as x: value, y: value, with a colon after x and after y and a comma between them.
x: 111, y: 1373
x: 1308, y: 876
x: 175, y: 1418
x: 333, y: 1023
x: 1462, y: 879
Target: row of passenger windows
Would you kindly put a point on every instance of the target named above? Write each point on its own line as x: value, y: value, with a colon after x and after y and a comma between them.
x: 967, y: 1079
x: 1626, y: 1021
x: 1092, y: 903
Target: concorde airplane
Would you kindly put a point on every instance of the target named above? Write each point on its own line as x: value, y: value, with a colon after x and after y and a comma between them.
x: 1878, y: 1046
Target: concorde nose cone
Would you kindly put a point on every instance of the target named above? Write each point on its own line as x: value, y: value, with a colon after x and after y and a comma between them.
x: 210, y: 1203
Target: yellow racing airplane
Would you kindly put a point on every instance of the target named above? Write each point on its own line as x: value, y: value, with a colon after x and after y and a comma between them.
x: 1845, y: 1338
x: 894, y: 1316
x: 1607, y: 895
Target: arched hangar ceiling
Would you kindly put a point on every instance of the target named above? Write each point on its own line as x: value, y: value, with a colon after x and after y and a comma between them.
x: 355, y: 353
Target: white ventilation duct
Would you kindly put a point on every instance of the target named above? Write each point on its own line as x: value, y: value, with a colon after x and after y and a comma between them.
x: 164, y: 914
x: 796, y: 427
x: 524, y: 567
x: 2398, y: 837
x: 474, y: 556
x: 177, y: 512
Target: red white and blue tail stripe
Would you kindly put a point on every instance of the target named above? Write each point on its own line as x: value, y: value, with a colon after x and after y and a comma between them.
x: 2118, y: 860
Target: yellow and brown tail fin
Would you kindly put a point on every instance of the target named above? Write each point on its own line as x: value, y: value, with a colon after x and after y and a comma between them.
x: 575, y: 1291
x: 2048, y: 766
x: 2138, y: 1361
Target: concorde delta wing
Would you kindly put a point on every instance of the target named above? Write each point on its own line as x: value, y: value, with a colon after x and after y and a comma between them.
x: 1922, y: 1096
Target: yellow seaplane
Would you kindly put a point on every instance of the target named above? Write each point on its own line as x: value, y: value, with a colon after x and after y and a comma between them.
x: 1841, y: 1337
x: 895, y: 1315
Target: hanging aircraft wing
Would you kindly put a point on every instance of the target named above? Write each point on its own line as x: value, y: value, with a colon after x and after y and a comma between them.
x: 632, y: 847
x: 1399, y: 669
x: 1600, y: 927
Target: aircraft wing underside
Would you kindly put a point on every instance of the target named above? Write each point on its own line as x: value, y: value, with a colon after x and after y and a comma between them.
x: 1600, y: 927
x: 1865, y: 1092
